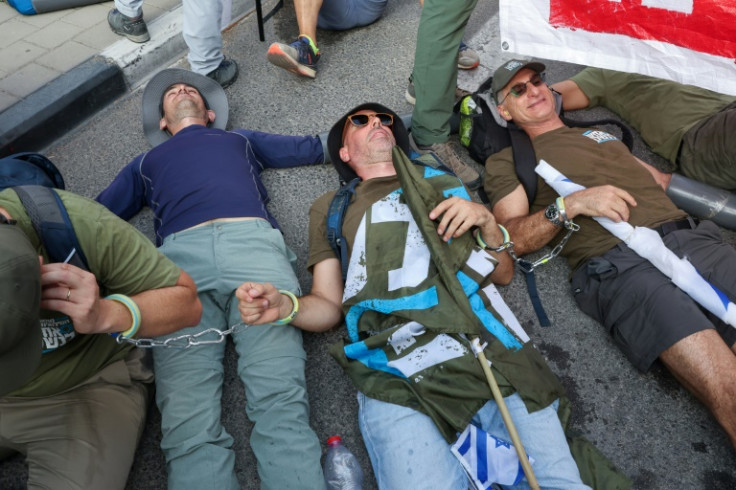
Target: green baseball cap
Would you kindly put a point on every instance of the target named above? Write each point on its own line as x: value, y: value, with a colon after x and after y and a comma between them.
x: 504, y: 73
x: 20, y: 299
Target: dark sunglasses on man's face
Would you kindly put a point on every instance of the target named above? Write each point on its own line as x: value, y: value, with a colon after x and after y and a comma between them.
x: 519, y: 89
x: 360, y: 120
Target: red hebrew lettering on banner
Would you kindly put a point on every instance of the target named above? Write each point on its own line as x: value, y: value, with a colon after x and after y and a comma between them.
x: 706, y: 26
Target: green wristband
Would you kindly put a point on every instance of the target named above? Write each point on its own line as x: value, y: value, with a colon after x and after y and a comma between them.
x: 290, y: 317
x: 135, y: 313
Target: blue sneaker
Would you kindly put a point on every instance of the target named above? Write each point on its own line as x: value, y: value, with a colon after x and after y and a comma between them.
x: 299, y: 57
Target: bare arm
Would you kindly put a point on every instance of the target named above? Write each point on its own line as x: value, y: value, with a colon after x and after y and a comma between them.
x: 459, y: 215
x: 319, y: 310
x: 572, y: 97
x: 530, y: 232
x: 74, y: 292
x: 661, y: 178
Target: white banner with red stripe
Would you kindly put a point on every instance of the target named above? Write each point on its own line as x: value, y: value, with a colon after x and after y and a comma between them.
x: 689, y: 41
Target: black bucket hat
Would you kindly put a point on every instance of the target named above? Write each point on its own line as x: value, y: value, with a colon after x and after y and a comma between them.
x: 334, y: 138
x: 211, y: 91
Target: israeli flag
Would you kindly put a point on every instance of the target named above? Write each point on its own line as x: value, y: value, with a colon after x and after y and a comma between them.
x: 487, y: 459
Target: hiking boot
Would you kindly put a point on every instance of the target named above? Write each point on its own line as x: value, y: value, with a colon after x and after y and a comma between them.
x: 467, y: 58
x: 133, y: 29
x: 225, y: 74
x: 463, y: 171
x: 299, y: 57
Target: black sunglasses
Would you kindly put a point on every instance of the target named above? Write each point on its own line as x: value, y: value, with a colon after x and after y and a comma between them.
x: 519, y: 89
x: 360, y: 120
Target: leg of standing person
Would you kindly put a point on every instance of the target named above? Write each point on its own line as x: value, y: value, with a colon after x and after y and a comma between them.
x: 434, y: 76
x: 85, y: 437
x: 189, y: 381
x: 301, y: 56
x: 271, y: 362
x: 126, y: 19
x: 203, y: 36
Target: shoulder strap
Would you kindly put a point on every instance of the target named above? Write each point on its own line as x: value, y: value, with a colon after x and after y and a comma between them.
x: 524, y: 161
x: 52, y: 224
x: 335, y: 217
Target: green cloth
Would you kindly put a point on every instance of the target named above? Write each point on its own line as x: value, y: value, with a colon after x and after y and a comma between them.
x: 441, y: 29
x: 123, y: 260
x: 378, y: 313
x: 662, y: 111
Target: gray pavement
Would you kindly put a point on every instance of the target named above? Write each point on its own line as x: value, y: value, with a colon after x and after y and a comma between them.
x: 649, y: 426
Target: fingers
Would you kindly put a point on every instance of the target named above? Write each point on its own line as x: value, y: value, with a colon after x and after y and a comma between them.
x: 257, y: 303
x: 458, y: 216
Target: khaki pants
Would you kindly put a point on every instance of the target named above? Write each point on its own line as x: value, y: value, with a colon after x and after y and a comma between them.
x: 86, y: 437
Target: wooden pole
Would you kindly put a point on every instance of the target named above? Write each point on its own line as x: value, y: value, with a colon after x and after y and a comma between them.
x: 526, y: 466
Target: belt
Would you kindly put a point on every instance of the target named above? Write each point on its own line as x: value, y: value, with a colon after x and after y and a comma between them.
x: 680, y: 224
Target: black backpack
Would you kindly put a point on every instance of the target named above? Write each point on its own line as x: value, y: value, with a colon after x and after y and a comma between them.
x: 484, y: 132
x: 33, y: 177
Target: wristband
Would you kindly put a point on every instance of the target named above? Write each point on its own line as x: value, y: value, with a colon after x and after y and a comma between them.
x: 560, y: 201
x: 506, y: 241
x: 295, y: 301
x: 135, y: 313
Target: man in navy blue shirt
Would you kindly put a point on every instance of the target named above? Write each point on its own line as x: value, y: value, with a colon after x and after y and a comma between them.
x: 203, y: 185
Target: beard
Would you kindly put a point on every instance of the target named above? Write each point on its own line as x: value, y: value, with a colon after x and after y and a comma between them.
x: 188, y: 108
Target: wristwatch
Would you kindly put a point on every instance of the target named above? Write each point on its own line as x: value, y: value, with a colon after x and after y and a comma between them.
x: 552, y: 213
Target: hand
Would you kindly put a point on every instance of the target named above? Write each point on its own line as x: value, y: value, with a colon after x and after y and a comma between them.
x: 459, y: 215
x: 606, y: 200
x: 261, y: 303
x: 73, y: 292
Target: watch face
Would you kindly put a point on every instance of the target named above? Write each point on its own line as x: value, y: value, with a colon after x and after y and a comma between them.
x: 552, y: 213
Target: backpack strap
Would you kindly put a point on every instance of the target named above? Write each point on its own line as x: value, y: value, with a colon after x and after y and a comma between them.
x: 335, y: 217
x: 524, y: 161
x: 52, y: 224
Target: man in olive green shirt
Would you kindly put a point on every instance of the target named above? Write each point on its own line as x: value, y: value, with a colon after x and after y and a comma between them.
x: 690, y: 126
x: 72, y: 399
x: 648, y: 317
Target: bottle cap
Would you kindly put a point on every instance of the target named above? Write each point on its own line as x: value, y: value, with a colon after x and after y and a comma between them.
x: 334, y: 439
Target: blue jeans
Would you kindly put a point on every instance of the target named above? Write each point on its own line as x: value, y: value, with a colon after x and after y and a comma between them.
x: 198, y: 449
x: 340, y: 15
x: 407, y: 450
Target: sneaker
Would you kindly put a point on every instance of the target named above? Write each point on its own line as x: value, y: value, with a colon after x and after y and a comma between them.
x: 411, y: 97
x: 299, y: 57
x: 225, y: 74
x: 133, y: 29
x: 467, y: 58
x: 463, y: 171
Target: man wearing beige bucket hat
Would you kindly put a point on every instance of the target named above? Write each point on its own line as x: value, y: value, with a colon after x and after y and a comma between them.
x: 73, y: 399
x: 203, y: 185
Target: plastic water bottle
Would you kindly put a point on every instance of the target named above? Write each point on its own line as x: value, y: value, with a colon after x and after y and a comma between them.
x: 341, y: 468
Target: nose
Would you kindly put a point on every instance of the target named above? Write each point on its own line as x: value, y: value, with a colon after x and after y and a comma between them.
x: 374, y: 121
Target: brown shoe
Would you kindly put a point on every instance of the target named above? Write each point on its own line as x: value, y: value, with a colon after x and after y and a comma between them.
x: 463, y: 171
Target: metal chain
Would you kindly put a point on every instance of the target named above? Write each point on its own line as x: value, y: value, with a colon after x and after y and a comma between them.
x: 528, y: 267
x: 187, y: 340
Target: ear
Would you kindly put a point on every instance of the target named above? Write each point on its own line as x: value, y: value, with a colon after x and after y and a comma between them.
x: 344, y: 154
x: 162, y: 124
x: 503, y: 112
x: 210, y: 116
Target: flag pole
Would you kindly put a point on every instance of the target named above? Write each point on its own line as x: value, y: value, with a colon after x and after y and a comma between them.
x: 523, y: 459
